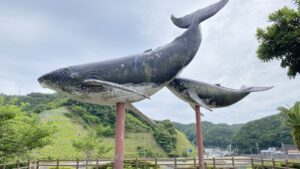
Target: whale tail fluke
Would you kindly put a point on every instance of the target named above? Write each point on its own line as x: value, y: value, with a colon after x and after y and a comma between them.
x: 199, y: 15
x: 255, y: 89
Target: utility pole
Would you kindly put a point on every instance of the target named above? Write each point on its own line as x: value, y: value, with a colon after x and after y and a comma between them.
x: 257, y: 148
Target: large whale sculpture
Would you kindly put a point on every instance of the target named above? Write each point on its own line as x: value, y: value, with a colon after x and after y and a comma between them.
x: 136, y: 77
x: 209, y: 96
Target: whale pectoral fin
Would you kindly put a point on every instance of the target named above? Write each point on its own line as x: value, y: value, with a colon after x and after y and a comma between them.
x: 96, y: 82
x: 140, y: 114
x: 198, y: 100
x: 255, y: 89
x: 148, y: 50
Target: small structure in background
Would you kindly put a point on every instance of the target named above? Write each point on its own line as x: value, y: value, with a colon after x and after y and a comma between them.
x: 289, y: 149
x: 270, y: 151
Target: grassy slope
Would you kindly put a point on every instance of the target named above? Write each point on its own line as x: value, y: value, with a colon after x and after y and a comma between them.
x: 183, y: 144
x: 133, y: 140
x: 69, y: 129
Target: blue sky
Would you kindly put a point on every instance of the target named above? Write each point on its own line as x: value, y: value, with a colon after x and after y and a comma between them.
x: 40, y: 36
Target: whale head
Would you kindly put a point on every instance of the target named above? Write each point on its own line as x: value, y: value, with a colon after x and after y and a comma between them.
x: 58, y: 80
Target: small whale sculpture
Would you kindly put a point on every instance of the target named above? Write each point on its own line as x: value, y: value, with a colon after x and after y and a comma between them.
x: 209, y: 96
x: 133, y: 78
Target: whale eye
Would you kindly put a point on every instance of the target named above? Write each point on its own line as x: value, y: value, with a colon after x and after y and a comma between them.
x: 74, y: 75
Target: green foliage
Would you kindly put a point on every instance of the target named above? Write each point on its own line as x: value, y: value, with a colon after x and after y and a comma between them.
x: 101, y: 119
x: 292, y: 118
x: 281, y: 40
x: 40, y: 108
x: 132, y: 164
x: 91, y: 146
x: 145, y: 152
x: 183, y: 144
x: 21, y: 132
x: 104, y: 130
x: 100, y: 116
x: 135, y: 125
x: 36, y: 102
x: 165, y: 135
x: 266, y: 132
x: 70, y: 127
x: 215, y: 135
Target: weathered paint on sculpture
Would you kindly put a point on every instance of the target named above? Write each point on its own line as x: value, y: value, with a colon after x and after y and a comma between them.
x: 207, y: 95
x: 133, y: 78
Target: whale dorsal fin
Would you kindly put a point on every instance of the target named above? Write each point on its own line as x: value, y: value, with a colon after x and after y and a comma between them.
x: 96, y: 82
x: 135, y: 110
x: 199, y: 15
x: 198, y: 100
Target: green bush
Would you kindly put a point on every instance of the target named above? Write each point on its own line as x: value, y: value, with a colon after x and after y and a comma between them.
x: 61, y: 167
x: 145, y: 152
x: 165, y: 135
x: 104, y: 130
x: 291, y: 165
x: 131, y: 165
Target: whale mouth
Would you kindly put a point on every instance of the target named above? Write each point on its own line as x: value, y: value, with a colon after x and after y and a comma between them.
x: 43, y: 85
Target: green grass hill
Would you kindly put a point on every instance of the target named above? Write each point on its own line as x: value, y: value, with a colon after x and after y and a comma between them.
x: 71, y: 126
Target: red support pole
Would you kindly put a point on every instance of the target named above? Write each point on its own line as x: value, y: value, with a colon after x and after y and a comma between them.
x: 199, y: 136
x: 119, y: 139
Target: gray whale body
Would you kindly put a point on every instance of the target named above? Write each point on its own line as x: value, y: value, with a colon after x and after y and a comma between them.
x: 136, y: 77
x: 132, y: 78
x: 207, y: 95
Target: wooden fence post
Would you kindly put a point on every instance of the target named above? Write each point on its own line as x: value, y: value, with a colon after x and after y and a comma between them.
x: 262, y: 162
x: 77, y: 163
x: 175, y: 162
x: 18, y: 164
x: 205, y: 165
x: 214, y: 163
x: 97, y: 164
x: 233, y: 163
x: 273, y: 163
x: 286, y: 163
x: 136, y: 163
x: 4, y: 165
x: 37, y: 164
x: 252, y: 163
x: 195, y: 162
x: 155, y: 163
x: 28, y: 164
x: 57, y: 164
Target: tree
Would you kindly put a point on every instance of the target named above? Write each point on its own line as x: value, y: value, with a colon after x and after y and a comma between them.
x: 281, y: 40
x: 20, y: 132
x: 266, y: 132
x: 91, y: 146
x: 292, y: 116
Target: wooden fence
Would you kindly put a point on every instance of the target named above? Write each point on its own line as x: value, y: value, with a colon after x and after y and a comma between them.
x: 177, y: 163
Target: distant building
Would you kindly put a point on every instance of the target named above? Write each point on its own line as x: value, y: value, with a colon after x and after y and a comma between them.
x: 290, y: 149
x: 216, y: 152
x: 269, y: 151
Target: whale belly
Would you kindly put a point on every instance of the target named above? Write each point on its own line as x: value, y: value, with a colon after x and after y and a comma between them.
x: 111, y: 96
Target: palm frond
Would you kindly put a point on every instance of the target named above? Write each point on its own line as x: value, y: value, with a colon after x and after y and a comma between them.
x: 292, y: 115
